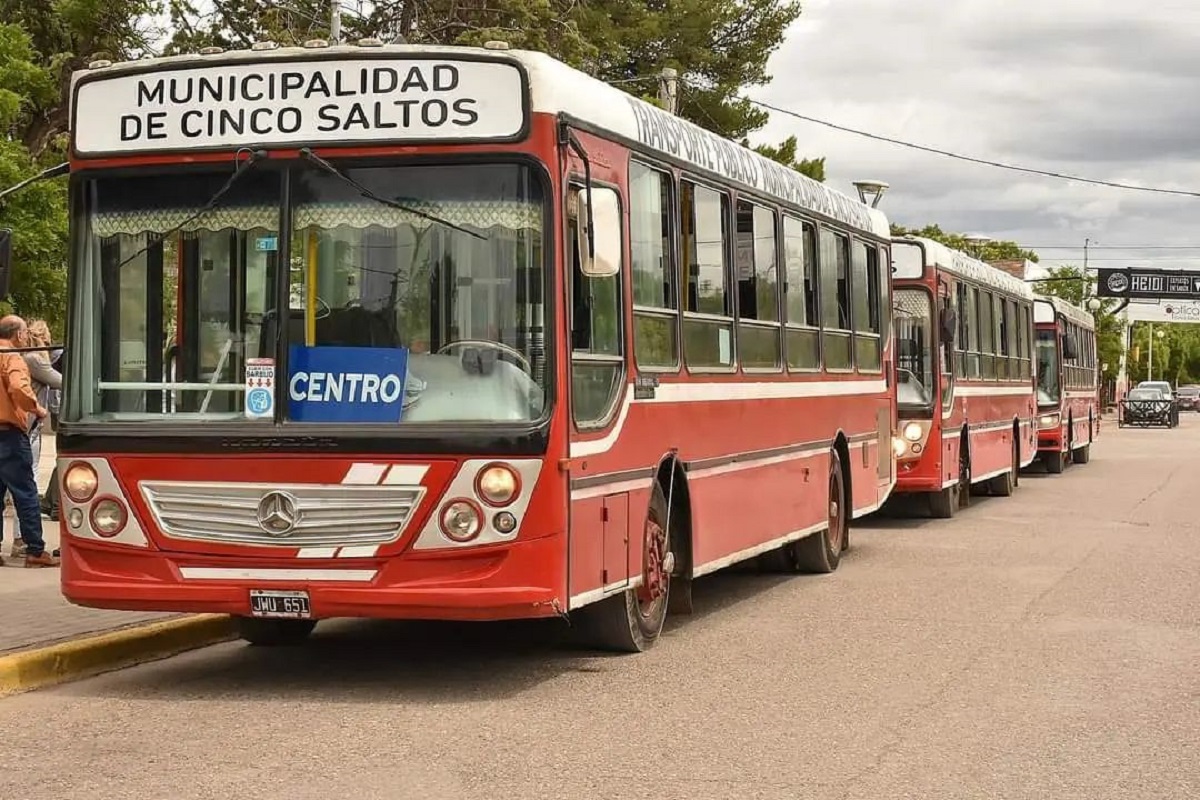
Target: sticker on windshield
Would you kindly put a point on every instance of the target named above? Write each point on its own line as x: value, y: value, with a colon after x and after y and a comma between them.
x: 260, y: 388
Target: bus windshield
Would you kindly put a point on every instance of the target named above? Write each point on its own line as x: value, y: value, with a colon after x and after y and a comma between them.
x: 431, y: 276
x: 914, y: 348
x: 1047, y: 361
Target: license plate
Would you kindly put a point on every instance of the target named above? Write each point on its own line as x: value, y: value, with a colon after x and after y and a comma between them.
x: 277, y: 603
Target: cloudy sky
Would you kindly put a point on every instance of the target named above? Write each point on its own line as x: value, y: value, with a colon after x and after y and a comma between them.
x: 1091, y: 88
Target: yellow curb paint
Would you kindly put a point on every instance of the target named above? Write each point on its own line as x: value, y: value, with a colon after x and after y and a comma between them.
x: 79, y: 658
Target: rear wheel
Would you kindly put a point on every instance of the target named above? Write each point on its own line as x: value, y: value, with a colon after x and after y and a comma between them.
x: 1083, y: 455
x: 1055, y: 462
x: 822, y: 552
x: 275, y: 632
x: 1003, y: 485
x: 632, y: 621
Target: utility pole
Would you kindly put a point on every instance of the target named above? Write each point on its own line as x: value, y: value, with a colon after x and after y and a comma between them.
x: 335, y: 21
x: 668, y: 86
x: 1086, y: 242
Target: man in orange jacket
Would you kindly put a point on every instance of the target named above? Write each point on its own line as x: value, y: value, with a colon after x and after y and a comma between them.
x: 19, y: 407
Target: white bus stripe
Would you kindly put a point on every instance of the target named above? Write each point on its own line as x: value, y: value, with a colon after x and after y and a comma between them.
x: 292, y: 575
x: 405, y: 475
x: 364, y: 474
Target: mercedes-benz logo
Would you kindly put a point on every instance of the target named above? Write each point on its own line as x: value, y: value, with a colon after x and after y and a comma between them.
x: 278, y: 513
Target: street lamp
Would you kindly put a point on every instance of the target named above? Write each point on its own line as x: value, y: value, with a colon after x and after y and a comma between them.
x: 1093, y: 304
x: 977, y: 241
x: 870, y: 189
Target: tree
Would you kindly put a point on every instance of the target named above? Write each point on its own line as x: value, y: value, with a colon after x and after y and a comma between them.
x: 719, y: 47
x: 785, y: 154
x: 1072, y: 285
x: 37, y: 214
x: 989, y: 251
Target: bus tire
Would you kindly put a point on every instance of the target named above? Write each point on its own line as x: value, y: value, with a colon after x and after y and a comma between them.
x: 821, y: 552
x: 274, y: 632
x: 632, y: 621
x: 943, y: 504
x: 1083, y: 455
x: 1055, y: 462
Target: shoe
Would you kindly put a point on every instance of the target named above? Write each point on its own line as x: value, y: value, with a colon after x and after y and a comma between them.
x: 43, y: 560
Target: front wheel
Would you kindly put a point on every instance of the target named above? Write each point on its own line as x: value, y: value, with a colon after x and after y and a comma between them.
x: 275, y: 632
x: 632, y: 621
x: 1083, y: 455
x: 1055, y: 462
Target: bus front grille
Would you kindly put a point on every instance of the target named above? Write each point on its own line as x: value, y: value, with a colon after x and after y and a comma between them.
x: 281, y: 515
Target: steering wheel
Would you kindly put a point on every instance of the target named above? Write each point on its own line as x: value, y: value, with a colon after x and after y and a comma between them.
x: 503, y: 348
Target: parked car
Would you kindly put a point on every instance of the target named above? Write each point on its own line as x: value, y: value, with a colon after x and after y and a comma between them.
x: 1189, y: 398
x: 1148, y: 405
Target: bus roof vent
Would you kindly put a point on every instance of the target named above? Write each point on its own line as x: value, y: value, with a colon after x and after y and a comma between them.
x: 370, y: 42
x: 267, y: 45
x: 316, y: 44
x: 211, y: 51
x: 99, y: 63
x: 495, y: 44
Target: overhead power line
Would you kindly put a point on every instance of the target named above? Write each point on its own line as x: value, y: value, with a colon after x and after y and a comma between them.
x: 972, y: 159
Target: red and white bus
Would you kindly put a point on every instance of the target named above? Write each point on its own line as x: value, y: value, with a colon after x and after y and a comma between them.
x: 545, y: 349
x: 1068, y: 391
x: 964, y: 375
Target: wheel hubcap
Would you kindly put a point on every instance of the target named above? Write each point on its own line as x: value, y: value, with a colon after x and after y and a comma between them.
x: 657, y: 563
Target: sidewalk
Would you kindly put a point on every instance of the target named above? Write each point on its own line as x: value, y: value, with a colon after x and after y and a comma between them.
x: 33, y: 612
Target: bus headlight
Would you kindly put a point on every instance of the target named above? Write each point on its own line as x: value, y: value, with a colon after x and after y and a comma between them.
x: 80, y: 482
x: 461, y: 520
x: 497, y: 485
x: 108, y: 517
x: 913, y: 432
x: 1049, y: 421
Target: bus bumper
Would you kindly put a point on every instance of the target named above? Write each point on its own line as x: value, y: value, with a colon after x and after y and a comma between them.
x: 521, y: 580
x: 915, y: 477
x: 1050, y: 441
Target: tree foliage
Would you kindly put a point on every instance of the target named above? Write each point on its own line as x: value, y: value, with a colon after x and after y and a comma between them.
x: 718, y: 47
x: 988, y: 251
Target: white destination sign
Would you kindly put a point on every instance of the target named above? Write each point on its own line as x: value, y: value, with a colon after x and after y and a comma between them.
x: 268, y: 103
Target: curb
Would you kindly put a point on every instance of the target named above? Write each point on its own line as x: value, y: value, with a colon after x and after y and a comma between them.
x: 81, y: 658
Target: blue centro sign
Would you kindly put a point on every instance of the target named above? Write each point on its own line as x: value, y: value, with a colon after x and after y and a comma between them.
x: 346, y: 384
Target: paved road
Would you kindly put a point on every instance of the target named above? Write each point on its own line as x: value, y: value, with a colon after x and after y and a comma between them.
x: 1044, y: 646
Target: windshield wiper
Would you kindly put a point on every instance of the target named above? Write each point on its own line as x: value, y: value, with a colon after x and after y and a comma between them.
x: 242, y: 168
x: 309, y: 155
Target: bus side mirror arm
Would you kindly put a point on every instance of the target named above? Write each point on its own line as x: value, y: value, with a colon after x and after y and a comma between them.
x: 567, y: 137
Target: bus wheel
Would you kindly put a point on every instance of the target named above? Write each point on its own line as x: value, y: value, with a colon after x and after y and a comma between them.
x: 1055, y: 462
x: 943, y: 504
x: 1003, y: 485
x: 1083, y: 455
x: 822, y: 552
x: 274, y: 632
x: 632, y: 621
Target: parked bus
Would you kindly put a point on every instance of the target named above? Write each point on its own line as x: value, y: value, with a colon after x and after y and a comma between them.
x: 964, y: 375
x: 1068, y: 392
x: 451, y: 333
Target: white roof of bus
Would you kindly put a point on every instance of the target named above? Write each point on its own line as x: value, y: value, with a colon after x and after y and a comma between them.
x: 964, y: 266
x: 556, y: 88
x: 1069, y: 310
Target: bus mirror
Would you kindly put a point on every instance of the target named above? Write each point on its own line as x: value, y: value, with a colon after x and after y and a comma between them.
x: 947, y: 325
x: 1070, y: 351
x: 5, y: 260
x: 603, y: 258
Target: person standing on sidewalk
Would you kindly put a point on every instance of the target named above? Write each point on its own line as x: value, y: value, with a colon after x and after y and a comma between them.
x: 46, y: 381
x: 17, y: 470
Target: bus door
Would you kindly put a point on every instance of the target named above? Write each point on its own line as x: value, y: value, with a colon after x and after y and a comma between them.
x: 225, y: 290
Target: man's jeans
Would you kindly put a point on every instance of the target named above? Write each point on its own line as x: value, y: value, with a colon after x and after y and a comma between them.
x: 18, y: 477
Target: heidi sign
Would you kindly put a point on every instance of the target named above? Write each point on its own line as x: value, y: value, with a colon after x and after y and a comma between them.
x: 237, y: 105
